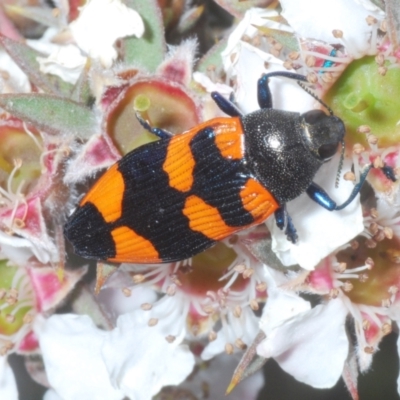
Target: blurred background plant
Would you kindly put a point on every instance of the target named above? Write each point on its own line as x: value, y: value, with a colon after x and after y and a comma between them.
x: 73, y: 74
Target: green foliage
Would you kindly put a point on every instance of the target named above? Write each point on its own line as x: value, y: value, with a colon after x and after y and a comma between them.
x: 54, y: 115
x: 148, y: 51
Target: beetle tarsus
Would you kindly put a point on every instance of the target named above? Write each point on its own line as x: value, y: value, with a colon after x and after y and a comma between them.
x: 161, y: 133
x: 283, y: 218
x: 290, y: 231
x: 356, y: 189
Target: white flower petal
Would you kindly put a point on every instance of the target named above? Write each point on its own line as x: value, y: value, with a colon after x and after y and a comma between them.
x: 45, y: 44
x: 320, y: 231
x: 71, y: 346
x: 313, y: 346
x: 8, y: 386
x: 66, y: 62
x: 100, y: 24
x: 316, y: 19
x: 19, y: 250
x: 250, y: 66
x: 280, y: 307
x: 15, y: 80
x: 247, y: 26
x: 210, y: 86
x: 141, y: 361
x: 247, y: 63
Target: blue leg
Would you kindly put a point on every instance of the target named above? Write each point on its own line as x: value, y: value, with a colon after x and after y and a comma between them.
x: 290, y: 231
x: 225, y: 105
x: 282, y: 216
x: 161, y: 133
x: 316, y: 193
x: 319, y: 195
x: 389, y: 173
x: 263, y: 91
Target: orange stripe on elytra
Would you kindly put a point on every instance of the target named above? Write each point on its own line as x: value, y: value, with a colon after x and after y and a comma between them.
x: 206, y: 219
x: 131, y: 247
x: 230, y: 140
x: 258, y: 201
x: 107, y: 194
x: 179, y: 162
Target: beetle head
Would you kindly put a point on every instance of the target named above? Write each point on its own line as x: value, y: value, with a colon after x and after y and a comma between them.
x: 323, y: 133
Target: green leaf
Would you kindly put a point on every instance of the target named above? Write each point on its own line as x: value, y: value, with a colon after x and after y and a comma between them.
x: 148, y: 51
x: 54, y: 115
x: 26, y: 58
x: 82, y: 92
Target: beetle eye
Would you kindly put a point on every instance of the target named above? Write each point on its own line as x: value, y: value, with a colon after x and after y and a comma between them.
x: 314, y: 116
x: 327, y: 151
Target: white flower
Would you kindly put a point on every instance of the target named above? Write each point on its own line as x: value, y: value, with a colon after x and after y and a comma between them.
x: 71, y: 350
x: 100, y: 24
x: 66, y: 62
x: 312, y: 345
x: 12, y: 78
x: 132, y: 360
x: 139, y: 359
x: 247, y: 63
x: 315, y: 19
x: 20, y: 250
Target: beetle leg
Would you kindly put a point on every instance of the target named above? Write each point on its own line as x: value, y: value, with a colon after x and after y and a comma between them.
x: 290, y: 232
x: 319, y: 195
x: 389, y: 173
x: 264, y: 93
x: 161, y: 133
x: 316, y: 193
x: 227, y: 106
x: 281, y: 215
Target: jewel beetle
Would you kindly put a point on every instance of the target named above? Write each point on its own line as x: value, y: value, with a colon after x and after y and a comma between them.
x: 171, y: 199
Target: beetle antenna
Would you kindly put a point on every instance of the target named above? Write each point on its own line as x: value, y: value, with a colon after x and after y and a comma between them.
x: 340, y: 165
x: 312, y: 94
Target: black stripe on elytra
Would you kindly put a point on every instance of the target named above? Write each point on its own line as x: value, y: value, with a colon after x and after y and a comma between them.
x: 218, y: 180
x: 153, y: 209
x: 89, y: 234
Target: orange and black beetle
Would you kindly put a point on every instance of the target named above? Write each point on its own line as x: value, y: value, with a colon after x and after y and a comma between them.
x: 171, y: 199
